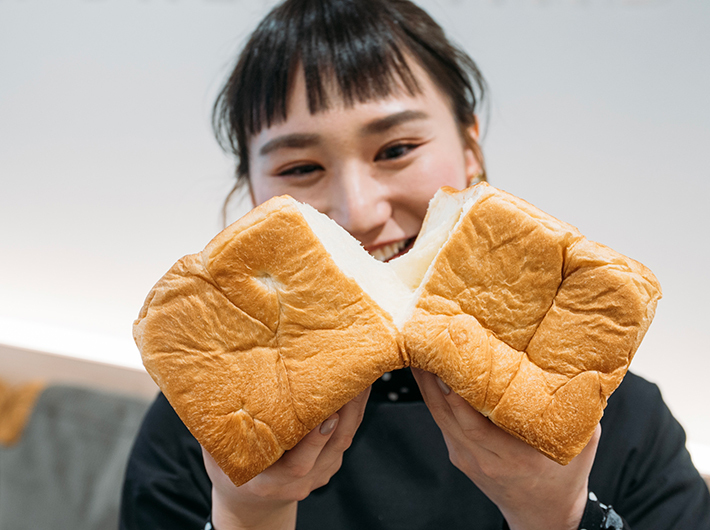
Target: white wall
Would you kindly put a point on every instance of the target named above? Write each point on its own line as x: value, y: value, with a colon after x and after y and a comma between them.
x: 108, y: 171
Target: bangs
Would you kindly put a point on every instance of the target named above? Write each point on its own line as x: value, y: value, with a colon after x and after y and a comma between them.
x: 346, y: 50
x: 350, y: 49
x: 337, y: 50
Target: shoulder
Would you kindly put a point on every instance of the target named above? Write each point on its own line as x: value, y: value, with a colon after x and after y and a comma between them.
x: 635, y: 391
x: 161, y: 417
x: 637, y: 422
x: 636, y: 403
x: 642, y: 466
x: 164, y: 442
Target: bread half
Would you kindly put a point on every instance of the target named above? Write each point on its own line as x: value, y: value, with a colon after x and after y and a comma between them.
x: 260, y: 337
x: 531, y: 323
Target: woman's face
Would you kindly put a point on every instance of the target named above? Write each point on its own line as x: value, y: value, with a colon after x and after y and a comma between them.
x: 372, y: 167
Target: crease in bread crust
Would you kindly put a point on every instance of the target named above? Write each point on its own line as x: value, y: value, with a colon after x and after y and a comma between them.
x: 549, y: 224
x: 255, y: 417
x: 216, y: 285
x: 280, y: 360
x: 492, y: 411
x: 293, y: 404
x: 474, y: 301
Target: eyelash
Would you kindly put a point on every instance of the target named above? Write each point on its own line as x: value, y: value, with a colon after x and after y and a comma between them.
x: 408, y: 146
x: 297, y: 171
x: 306, y: 169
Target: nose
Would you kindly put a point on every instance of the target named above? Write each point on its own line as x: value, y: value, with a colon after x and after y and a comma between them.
x: 360, y: 202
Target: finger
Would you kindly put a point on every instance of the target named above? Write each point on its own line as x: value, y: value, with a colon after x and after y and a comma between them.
x: 432, y: 392
x: 474, y: 425
x: 319, y: 455
x: 218, y: 477
x: 455, y: 416
x: 300, y: 460
x: 586, y: 457
x: 210, y: 463
x: 594, y: 442
x: 351, y: 415
x: 324, y: 446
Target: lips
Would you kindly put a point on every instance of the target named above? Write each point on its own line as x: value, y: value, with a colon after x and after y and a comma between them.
x: 392, y: 250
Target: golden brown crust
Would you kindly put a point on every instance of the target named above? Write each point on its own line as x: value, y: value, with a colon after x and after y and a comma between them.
x: 551, y: 321
x: 260, y: 337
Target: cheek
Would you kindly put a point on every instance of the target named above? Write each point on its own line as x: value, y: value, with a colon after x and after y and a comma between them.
x: 263, y: 187
x: 417, y: 186
x: 447, y: 168
x: 260, y: 192
x: 450, y: 172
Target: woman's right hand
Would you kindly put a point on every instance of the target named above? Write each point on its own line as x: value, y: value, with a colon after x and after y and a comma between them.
x: 270, y: 499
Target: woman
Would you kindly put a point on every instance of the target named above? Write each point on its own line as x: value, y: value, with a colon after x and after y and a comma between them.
x: 363, y: 109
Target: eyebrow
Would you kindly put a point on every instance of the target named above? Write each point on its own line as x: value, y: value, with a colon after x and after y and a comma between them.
x: 380, y: 125
x: 393, y: 120
x: 294, y: 141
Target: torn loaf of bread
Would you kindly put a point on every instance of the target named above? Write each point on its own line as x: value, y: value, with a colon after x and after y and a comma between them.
x: 283, y: 318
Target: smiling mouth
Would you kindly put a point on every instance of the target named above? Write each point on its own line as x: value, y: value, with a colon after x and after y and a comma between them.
x: 393, y: 250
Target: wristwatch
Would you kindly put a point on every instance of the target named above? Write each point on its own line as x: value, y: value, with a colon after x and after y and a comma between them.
x: 598, y: 515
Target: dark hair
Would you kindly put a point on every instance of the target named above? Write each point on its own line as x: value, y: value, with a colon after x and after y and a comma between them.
x: 361, y: 45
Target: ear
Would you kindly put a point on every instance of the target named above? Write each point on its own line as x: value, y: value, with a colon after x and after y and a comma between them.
x: 473, y: 164
x: 473, y: 129
x: 251, y: 195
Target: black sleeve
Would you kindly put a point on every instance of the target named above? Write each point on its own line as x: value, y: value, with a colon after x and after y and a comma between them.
x: 643, y: 468
x: 166, y: 485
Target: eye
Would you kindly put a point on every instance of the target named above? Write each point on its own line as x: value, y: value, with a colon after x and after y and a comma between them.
x: 395, y: 151
x: 300, y: 170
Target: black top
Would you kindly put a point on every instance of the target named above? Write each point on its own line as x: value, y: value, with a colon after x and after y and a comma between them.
x: 397, y: 474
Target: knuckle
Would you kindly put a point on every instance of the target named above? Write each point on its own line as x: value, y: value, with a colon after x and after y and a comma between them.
x: 506, y: 471
x: 455, y: 460
x: 298, y: 469
x: 312, y: 439
x: 473, y: 433
x: 321, y: 481
x: 264, y: 489
x: 300, y: 492
x: 493, y: 472
x: 465, y: 464
x: 323, y: 478
x: 336, y: 466
x: 342, y: 443
x: 438, y: 410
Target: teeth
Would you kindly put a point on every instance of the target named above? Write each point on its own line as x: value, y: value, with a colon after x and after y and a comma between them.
x: 386, y: 252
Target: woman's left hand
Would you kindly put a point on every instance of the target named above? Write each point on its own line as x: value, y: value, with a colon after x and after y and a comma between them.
x: 532, y: 491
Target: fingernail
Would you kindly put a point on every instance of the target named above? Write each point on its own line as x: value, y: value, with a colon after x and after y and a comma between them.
x: 328, y: 425
x: 443, y: 386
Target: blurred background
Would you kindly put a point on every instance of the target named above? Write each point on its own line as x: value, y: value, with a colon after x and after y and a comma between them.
x: 598, y: 114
